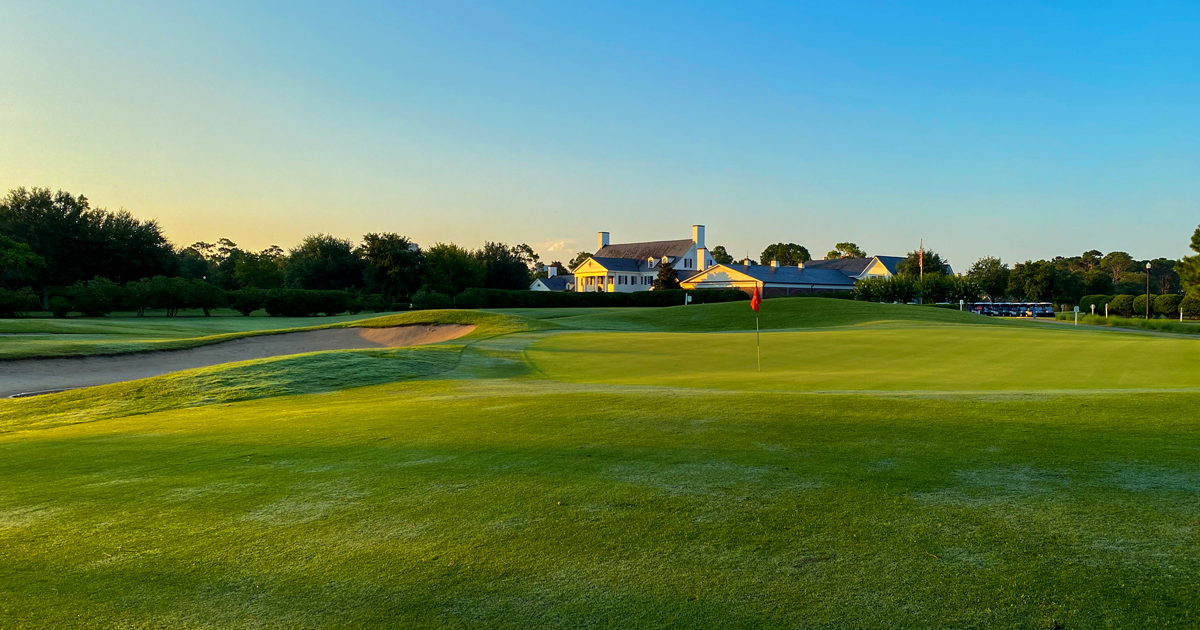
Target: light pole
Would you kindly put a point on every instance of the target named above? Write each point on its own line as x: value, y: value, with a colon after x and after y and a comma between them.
x: 1147, y: 290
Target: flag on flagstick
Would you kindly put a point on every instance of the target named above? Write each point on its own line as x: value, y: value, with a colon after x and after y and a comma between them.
x: 755, y: 302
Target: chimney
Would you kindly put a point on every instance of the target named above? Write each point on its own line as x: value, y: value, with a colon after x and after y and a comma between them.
x: 775, y: 263
x: 701, y: 258
x: 601, y: 241
x: 551, y: 271
x: 746, y: 262
x: 698, y: 235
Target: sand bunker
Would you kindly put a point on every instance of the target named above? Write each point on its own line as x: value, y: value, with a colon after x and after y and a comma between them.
x: 46, y: 375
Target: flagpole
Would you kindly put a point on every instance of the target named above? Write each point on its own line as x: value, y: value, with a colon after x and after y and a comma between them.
x: 757, y: 342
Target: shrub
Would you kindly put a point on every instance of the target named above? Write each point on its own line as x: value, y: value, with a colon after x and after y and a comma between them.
x: 170, y: 294
x: 1191, y: 304
x: 304, y: 303
x: 1140, y: 304
x: 1167, y: 304
x: 432, y: 299
x: 18, y: 303
x: 96, y: 297
x: 138, y: 296
x: 894, y: 289
x: 1121, y: 305
x: 1086, y: 302
x: 60, y: 306
x: 206, y: 297
x: 246, y: 301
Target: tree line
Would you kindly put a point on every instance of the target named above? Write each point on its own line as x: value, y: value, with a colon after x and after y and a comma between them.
x: 55, y: 244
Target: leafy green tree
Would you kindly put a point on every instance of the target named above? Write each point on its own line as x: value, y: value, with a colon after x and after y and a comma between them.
x: 787, y: 254
x: 667, y: 279
x: 991, y: 274
x: 1096, y: 281
x: 138, y: 296
x: 1188, y: 268
x: 506, y: 267
x: 1090, y: 259
x: 206, y: 297
x: 1116, y: 263
x: 1167, y: 304
x: 450, y: 270
x: 324, y: 262
x: 911, y: 265
x: 846, y: 250
x: 60, y: 306
x: 18, y: 303
x: 1191, y: 304
x: 720, y: 256
x: 579, y: 259
x: 262, y: 270
x: 1035, y: 281
x: 96, y: 297
x: 1163, y: 278
x: 171, y: 294
x: 246, y: 301
x: 394, y: 265
x: 17, y: 261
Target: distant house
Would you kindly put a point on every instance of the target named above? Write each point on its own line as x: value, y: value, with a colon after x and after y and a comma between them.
x: 772, y: 280
x: 554, y: 282
x: 629, y: 267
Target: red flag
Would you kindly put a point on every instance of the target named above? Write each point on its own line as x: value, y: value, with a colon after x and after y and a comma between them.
x: 755, y: 299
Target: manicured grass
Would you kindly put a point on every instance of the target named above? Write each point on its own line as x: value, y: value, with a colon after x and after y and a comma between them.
x: 538, y: 476
x: 884, y: 357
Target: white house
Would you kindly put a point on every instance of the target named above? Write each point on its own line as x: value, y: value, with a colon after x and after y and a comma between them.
x: 629, y: 267
x: 553, y: 281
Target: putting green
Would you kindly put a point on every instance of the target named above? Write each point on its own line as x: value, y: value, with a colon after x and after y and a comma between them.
x: 899, y: 357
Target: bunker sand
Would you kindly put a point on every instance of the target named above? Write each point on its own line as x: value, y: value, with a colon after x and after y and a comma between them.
x: 45, y: 375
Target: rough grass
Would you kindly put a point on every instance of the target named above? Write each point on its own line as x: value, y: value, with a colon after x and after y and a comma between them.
x: 1186, y: 327
x: 95, y: 337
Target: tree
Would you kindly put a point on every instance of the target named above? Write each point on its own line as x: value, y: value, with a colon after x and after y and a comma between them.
x: 579, y: 259
x: 846, y: 250
x: 667, y: 278
x: 17, y: 261
x: 911, y: 265
x: 324, y: 262
x: 720, y: 256
x: 506, y: 267
x: 1091, y: 259
x: 394, y: 265
x: 450, y: 270
x: 992, y: 276
x: 1116, y: 263
x: 786, y: 254
x: 96, y: 297
x: 1188, y: 267
x: 1096, y: 281
x: 262, y: 270
x: 206, y: 297
x: 1163, y: 278
x: 1034, y: 281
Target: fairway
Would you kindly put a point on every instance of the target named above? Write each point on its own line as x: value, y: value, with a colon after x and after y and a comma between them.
x: 889, y: 467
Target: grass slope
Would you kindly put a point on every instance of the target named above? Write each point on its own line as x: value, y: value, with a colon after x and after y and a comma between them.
x: 94, y: 337
x: 518, y: 503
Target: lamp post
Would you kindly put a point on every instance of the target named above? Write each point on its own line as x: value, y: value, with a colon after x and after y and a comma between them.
x: 1147, y: 290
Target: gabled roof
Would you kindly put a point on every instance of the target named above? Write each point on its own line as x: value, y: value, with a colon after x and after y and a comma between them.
x: 890, y: 262
x: 848, y: 266
x: 557, y: 283
x: 620, y: 264
x: 642, y: 251
x: 785, y: 275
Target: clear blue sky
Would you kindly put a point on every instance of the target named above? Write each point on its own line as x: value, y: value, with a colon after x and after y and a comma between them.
x: 1013, y: 129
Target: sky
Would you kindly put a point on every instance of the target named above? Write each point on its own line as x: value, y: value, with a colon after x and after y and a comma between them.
x: 1013, y: 129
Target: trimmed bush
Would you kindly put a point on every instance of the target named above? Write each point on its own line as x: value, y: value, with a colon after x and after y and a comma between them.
x: 207, y: 297
x: 1191, y: 304
x: 1086, y: 302
x: 18, y: 303
x: 432, y: 300
x: 138, y: 296
x: 304, y: 303
x: 1139, y: 305
x: 60, y: 306
x: 1167, y: 304
x: 1121, y: 305
x: 96, y: 297
x: 900, y: 289
x: 246, y: 301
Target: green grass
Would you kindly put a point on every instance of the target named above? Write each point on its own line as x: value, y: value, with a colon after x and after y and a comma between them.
x: 1186, y: 327
x: 108, y: 336
x: 480, y: 483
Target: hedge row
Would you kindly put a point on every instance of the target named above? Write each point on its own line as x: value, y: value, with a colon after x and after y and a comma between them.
x: 498, y: 298
x: 1166, y: 305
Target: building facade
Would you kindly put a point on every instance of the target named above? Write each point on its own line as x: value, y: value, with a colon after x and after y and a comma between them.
x: 629, y: 267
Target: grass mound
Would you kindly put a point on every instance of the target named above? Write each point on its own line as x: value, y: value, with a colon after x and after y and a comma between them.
x: 312, y: 373
x: 776, y: 314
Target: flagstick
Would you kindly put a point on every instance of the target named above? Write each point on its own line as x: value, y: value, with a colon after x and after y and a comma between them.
x: 757, y: 342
